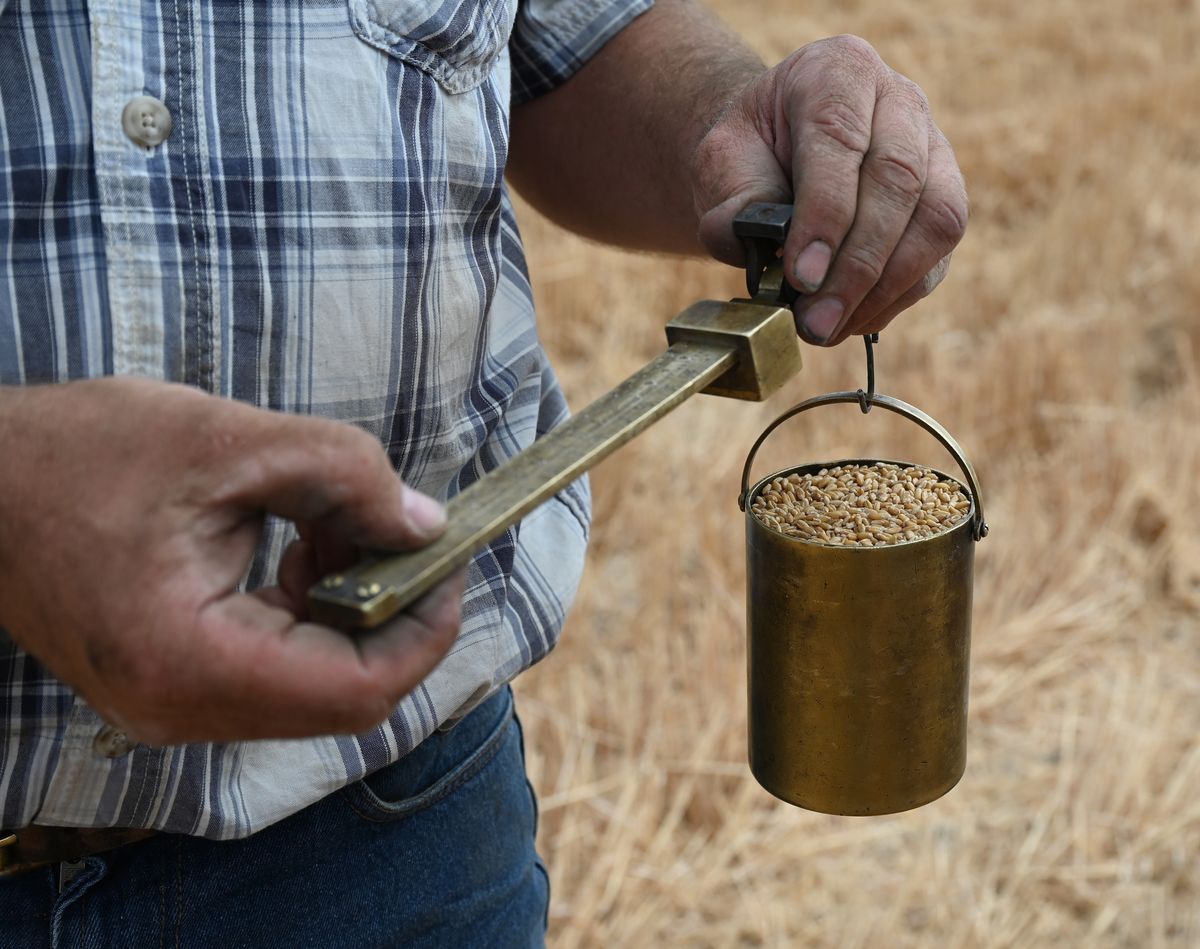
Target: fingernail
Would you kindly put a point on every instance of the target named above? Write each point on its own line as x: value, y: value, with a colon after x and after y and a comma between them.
x: 812, y: 264
x: 821, y: 320
x: 425, y: 514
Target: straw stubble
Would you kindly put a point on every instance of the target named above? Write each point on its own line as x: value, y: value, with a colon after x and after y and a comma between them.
x: 873, y: 505
x: 1063, y: 350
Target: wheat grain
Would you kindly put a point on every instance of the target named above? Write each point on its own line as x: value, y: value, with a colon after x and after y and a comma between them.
x: 862, y: 505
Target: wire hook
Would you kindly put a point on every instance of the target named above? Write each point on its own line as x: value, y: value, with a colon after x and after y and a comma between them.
x: 865, y: 399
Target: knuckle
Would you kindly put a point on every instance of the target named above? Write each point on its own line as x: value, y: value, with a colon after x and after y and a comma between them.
x: 912, y: 93
x: 357, y: 456
x: 217, y: 435
x: 885, y: 292
x: 346, y: 438
x: 363, y: 456
x: 740, y: 122
x: 870, y: 306
x: 836, y: 119
x: 945, y: 220
x: 899, y: 170
x: 855, y: 48
x: 226, y: 423
x: 862, y: 263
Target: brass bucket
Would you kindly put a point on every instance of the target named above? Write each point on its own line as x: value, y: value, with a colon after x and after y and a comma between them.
x: 858, y: 656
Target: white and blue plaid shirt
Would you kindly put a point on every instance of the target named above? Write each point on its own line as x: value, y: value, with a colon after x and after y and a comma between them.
x: 324, y: 231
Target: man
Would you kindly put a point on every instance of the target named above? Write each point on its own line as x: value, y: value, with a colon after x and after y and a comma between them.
x: 266, y: 250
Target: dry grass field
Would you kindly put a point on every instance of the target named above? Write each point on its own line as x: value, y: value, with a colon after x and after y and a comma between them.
x: 1063, y: 352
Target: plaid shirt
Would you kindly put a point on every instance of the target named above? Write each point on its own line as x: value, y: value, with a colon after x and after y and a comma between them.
x: 326, y: 231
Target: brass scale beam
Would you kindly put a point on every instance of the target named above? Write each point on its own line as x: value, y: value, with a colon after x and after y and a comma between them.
x: 742, y: 349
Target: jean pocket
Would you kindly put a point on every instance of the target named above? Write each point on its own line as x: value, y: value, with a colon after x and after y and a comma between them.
x: 455, y: 41
x: 437, y: 767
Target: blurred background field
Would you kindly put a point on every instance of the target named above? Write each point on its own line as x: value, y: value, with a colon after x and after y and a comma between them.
x: 1063, y: 353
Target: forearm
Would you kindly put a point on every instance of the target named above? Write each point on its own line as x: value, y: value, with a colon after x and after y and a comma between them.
x: 608, y: 154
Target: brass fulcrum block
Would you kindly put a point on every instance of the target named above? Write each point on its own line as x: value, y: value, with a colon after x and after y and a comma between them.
x: 765, y: 350
x: 742, y: 349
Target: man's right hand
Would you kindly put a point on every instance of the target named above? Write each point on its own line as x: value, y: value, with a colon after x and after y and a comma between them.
x: 129, y: 512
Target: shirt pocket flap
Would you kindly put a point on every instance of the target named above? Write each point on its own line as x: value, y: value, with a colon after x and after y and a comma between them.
x: 455, y: 41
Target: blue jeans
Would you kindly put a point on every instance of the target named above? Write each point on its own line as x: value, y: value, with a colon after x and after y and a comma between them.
x: 436, y: 850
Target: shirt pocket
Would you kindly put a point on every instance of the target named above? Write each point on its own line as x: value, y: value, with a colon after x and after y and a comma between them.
x: 455, y: 41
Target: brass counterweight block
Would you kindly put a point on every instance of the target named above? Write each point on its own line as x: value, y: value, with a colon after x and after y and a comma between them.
x: 764, y: 344
x: 742, y: 349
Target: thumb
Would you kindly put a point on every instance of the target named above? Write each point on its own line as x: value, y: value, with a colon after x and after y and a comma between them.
x: 734, y: 167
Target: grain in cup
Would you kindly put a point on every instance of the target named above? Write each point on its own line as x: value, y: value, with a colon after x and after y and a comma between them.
x: 862, y: 505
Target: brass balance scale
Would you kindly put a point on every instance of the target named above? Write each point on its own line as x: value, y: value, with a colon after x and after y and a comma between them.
x: 857, y: 656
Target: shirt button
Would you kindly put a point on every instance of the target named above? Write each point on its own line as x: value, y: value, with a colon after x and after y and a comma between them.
x: 112, y: 742
x: 147, y: 121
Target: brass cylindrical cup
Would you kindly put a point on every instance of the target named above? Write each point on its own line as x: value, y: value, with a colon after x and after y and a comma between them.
x: 858, y: 656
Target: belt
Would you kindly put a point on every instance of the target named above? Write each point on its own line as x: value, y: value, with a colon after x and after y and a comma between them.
x: 38, y: 845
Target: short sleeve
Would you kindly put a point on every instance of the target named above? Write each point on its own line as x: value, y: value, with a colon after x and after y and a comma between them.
x: 552, y: 39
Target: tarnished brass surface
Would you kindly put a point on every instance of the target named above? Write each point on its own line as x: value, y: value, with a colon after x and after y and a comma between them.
x: 858, y: 656
x: 738, y: 341
x: 858, y: 666
x: 767, y: 354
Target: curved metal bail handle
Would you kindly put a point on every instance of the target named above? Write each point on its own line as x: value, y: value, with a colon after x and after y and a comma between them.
x: 910, y: 412
x: 865, y: 399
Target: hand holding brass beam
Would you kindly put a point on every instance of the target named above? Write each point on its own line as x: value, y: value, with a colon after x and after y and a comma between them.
x: 742, y: 349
